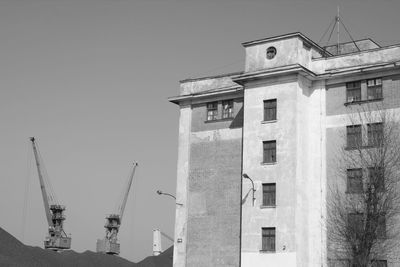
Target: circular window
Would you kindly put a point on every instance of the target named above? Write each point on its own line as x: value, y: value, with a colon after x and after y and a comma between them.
x: 271, y: 52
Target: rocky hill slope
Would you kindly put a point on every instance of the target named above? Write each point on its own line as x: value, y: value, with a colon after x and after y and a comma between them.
x: 14, y: 253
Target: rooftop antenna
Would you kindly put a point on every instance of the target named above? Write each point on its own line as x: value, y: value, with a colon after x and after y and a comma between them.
x: 335, y: 23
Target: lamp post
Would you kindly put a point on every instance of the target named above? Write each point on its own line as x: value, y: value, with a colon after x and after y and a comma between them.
x: 244, y: 175
x: 167, y: 194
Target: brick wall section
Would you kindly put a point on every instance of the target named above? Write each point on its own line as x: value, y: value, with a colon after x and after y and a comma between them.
x: 199, y: 117
x: 336, y: 95
x: 391, y: 91
x: 214, y: 203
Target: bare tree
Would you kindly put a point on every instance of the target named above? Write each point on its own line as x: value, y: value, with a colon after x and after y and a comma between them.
x: 363, y: 202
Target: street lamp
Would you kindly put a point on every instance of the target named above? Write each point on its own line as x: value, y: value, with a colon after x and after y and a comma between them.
x: 167, y: 194
x: 162, y: 193
x: 244, y: 175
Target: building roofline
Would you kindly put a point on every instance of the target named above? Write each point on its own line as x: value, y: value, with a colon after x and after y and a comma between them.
x: 285, y: 36
x: 242, y: 79
x: 211, y: 77
x: 220, y: 91
x: 360, y: 69
x: 358, y: 52
x: 391, y: 45
x: 265, y: 73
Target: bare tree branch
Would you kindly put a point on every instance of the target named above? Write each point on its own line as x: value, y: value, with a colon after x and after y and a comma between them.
x: 363, y: 202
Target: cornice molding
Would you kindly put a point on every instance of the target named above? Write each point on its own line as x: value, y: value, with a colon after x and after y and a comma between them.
x: 267, y: 73
x: 224, y: 91
x: 247, y: 77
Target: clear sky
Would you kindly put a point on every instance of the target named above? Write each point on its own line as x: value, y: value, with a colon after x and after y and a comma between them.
x: 90, y: 79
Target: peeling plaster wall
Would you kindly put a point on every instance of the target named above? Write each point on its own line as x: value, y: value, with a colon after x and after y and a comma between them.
x: 179, y: 259
x: 289, y: 51
x: 310, y: 117
x: 311, y: 173
x: 360, y: 59
x: 298, y: 173
x: 209, y: 179
x: 282, y: 173
x: 214, y: 198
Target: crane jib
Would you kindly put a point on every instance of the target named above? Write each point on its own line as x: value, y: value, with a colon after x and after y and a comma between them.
x: 57, y: 239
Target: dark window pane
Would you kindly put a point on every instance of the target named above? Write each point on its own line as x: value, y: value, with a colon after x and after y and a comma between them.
x: 270, y: 110
x: 379, y: 263
x: 354, y: 137
x: 353, y: 91
x: 339, y: 263
x: 374, y: 88
x: 381, y: 228
x: 355, y: 224
x: 227, y: 109
x: 269, y: 194
x: 375, y: 134
x: 354, y: 181
x: 212, y: 111
x: 376, y: 177
x: 268, y: 239
x: 269, y: 149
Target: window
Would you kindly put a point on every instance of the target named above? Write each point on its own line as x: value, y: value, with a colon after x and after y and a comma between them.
x: 375, y: 134
x: 339, y: 263
x: 269, y: 194
x: 269, y: 148
x: 227, y: 109
x: 353, y: 91
x: 355, y: 224
x: 354, y: 181
x: 212, y: 111
x: 270, y: 110
x: 354, y: 137
x: 271, y: 52
x: 379, y: 263
x: 374, y: 88
x: 268, y: 239
x: 381, y: 228
x: 376, y: 178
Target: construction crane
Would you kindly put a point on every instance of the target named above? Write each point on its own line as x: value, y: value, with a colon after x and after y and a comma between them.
x: 109, y: 244
x: 157, y: 248
x: 57, y: 239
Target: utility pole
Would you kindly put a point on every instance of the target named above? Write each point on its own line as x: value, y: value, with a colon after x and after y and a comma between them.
x: 338, y: 31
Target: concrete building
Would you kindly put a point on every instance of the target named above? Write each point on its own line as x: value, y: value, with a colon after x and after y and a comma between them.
x: 275, y: 122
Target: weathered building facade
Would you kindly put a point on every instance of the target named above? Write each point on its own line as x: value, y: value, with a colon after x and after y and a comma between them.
x: 272, y: 126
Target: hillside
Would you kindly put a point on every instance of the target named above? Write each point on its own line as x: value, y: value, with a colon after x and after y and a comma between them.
x: 162, y: 260
x: 14, y: 253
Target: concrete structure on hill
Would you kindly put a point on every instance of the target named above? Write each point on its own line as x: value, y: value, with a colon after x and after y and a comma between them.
x: 272, y: 126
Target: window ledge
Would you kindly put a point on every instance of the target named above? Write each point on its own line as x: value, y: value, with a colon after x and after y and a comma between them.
x: 353, y: 192
x: 268, y: 163
x: 360, y: 147
x: 267, y: 251
x: 218, y: 120
x: 359, y: 102
x: 371, y: 146
x: 267, y: 207
x: 266, y: 122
